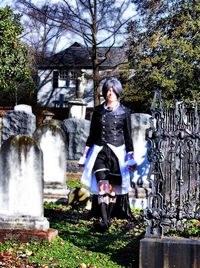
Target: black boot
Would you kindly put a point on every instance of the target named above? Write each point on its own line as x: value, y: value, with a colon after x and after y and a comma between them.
x: 103, y: 225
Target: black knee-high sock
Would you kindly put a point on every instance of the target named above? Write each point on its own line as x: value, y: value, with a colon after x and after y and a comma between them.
x: 111, y: 205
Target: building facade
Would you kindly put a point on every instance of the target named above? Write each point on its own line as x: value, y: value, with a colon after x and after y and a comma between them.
x: 68, y: 74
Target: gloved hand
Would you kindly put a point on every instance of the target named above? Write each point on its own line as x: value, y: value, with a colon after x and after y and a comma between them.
x: 132, y: 168
x: 83, y: 158
x: 130, y: 162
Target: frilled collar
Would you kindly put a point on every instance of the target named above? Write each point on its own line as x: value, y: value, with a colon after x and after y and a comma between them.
x: 109, y: 109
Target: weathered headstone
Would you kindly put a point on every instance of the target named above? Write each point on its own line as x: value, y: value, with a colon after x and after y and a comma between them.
x: 77, y: 131
x: 21, y: 185
x: 52, y: 141
x: 18, y: 122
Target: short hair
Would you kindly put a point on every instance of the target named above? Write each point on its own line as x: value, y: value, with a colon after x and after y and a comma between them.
x: 112, y: 83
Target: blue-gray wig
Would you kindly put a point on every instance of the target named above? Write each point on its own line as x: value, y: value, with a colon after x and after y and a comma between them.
x: 112, y: 83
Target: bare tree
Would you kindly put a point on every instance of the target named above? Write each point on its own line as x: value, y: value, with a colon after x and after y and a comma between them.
x: 41, y: 33
x: 97, y: 22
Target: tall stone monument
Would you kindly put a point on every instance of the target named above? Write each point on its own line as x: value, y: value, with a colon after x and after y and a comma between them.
x: 77, y: 106
x: 140, y: 185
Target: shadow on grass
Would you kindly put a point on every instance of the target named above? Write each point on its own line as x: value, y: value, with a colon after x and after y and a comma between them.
x: 121, y: 243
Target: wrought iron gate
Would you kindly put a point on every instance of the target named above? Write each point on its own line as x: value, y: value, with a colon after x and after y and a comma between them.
x: 174, y: 138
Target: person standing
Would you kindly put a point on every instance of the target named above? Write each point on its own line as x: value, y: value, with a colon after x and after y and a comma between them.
x: 109, y: 156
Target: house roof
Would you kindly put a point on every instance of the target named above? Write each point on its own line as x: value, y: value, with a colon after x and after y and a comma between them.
x: 79, y: 56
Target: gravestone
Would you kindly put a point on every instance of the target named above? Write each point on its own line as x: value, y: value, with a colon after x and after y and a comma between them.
x: 19, y: 121
x: 21, y: 190
x: 52, y: 141
x: 77, y: 131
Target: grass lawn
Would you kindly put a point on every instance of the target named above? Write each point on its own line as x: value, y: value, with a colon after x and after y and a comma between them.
x: 77, y: 244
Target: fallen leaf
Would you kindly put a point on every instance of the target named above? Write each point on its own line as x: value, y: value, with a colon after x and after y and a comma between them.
x: 83, y: 265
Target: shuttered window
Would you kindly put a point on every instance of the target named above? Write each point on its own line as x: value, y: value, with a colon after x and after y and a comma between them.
x: 55, y: 79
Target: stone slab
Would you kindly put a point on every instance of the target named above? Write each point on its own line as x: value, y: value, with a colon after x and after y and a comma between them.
x: 12, y: 222
x: 27, y: 235
x: 169, y: 252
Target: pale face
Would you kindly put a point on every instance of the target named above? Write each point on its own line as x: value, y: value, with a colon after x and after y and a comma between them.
x: 111, y: 96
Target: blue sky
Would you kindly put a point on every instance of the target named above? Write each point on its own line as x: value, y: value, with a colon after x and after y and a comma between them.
x: 4, y: 2
x: 65, y: 41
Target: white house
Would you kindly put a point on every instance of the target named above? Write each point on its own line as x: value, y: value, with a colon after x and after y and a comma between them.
x: 60, y: 75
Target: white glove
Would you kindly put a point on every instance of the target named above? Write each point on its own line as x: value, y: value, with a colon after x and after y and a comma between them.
x: 83, y: 158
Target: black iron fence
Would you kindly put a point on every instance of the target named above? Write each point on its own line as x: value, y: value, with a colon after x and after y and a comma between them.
x: 174, y: 156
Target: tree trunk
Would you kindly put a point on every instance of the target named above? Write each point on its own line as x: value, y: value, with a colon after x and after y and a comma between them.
x: 96, y: 79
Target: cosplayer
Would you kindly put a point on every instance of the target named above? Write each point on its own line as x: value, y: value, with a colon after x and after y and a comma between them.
x: 108, y: 156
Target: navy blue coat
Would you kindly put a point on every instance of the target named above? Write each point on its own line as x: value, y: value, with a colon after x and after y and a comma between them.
x: 112, y: 127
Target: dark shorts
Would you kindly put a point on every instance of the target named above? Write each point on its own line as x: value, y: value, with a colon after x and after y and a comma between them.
x: 106, y: 167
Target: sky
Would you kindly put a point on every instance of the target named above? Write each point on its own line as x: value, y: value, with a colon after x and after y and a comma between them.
x: 4, y: 2
x: 67, y: 40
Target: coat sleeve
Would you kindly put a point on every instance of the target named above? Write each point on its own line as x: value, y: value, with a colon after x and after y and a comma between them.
x: 127, y: 132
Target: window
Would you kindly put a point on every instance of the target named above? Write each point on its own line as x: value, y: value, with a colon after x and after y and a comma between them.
x: 73, y: 75
x: 63, y: 74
